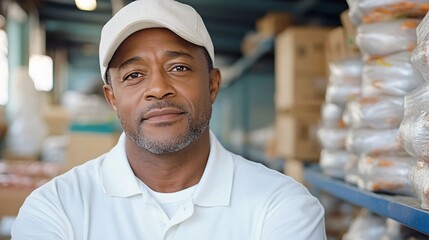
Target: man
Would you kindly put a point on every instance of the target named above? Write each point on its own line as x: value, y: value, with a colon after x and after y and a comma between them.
x: 168, y: 177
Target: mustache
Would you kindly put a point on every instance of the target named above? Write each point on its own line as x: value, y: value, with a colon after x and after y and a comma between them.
x: 160, y: 105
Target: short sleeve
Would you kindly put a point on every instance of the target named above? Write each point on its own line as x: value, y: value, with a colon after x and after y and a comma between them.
x: 41, y: 218
x: 299, y: 217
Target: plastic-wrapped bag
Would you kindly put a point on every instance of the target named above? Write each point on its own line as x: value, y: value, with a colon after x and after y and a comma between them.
x: 351, y: 173
x: 366, y: 225
x: 341, y: 93
x: 27, y: 129
x: 416, y: 99
x: 368, y: 11
x: 420, y: 182
x: 393, y: 230
x: 420, y: 56
x: 413, y: 132
x: 373, y: 141
x: 392, y: 75
x: 422, y: 30
x: 355, y: 14
x: 347, y: 115
x: 55, y: 148
x: 332, y: 138
x: 420, y: 59
x: 376, y: 112
x: 385, y: 38
x: 345, y: 81
x: 332, y: 162
x: 386, y: 173
x: 331, y: 115
x: 347, y: 71
x: 414, y: 135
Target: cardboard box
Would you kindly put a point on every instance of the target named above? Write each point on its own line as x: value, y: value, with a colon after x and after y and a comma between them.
x: 300, y: 68
x: 273, y: 23
x: 11, y: 200
x: 295, y: 169
x: 9, y: 155
x: 303, y: 90
x: 57, y: 119
x: 296, y: 135
x: 84, y: 146
x: 336, y: 49
x: 301, y: 49
x: 336, y: 45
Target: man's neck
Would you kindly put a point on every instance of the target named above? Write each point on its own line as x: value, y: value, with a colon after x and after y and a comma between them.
x: 170, y: 172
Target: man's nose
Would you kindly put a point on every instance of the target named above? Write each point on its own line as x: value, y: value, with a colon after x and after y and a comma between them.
x: 158, y: 86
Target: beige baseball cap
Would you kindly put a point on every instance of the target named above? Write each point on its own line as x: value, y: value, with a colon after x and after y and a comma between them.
x: 180, y: 18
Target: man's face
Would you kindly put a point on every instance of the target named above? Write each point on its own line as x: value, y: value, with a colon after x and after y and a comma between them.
x: 162, y: 90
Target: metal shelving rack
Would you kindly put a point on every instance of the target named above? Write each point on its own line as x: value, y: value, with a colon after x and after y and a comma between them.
x: 403, y: 209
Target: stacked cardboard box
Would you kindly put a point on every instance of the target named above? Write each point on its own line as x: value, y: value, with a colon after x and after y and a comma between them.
x: 300, y: 83
x: 300, y: 68
x: 295, y: 135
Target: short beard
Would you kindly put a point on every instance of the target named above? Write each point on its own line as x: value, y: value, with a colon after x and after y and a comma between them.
x: 194, y: 131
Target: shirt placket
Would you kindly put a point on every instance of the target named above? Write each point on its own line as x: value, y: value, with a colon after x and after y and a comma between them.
x: 182, y: 214
x: 160, y: 220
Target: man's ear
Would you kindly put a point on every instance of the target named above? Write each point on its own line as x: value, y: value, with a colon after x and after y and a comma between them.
x: 109, y: 95
x: 215, y: 83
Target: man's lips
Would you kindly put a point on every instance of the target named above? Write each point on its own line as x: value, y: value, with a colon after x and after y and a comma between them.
x: 162, y: 114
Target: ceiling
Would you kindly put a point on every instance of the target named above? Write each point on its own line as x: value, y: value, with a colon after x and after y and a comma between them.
x: 226, y: 20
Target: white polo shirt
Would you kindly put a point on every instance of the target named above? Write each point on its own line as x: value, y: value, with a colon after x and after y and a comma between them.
x: 235, y: 199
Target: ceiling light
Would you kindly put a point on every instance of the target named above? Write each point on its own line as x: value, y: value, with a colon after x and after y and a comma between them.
x: 86, y: 5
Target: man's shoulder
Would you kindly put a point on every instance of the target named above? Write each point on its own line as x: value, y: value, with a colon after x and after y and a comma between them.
x: 252, y: 168
x: 77, y: 178
x: 260, y: 189
x: 263, y: 179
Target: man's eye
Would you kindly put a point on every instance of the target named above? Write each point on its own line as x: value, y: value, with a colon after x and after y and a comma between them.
x: 133, y: 75
x: 180, y: 68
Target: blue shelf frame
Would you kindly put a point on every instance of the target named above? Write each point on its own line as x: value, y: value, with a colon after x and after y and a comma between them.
x: 403, y: 209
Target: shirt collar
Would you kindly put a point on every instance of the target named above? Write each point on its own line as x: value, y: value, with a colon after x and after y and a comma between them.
x: 117, y: 177
x: 214, y: 188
